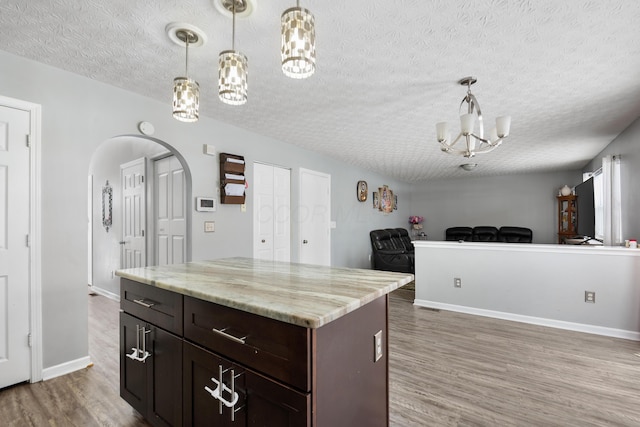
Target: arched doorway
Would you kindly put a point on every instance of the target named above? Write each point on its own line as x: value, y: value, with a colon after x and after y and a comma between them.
x: 106, y: 197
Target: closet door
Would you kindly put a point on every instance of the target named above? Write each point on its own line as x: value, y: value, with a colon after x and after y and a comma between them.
x: 272, y: 212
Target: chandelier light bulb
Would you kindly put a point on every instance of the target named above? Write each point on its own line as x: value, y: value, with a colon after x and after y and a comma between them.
x: 503, y: 125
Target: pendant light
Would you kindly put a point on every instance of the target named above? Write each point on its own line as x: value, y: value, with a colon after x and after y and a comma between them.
x: 298, y: 48
x: 232, y: 71
x: 186, y: 91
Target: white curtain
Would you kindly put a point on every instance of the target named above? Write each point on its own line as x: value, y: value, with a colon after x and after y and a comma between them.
x: 612, y: 200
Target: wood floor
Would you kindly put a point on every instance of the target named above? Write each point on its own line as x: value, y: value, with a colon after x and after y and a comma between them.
x: 446, y: 369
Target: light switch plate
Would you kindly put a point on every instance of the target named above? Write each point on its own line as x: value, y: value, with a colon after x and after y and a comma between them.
x: 209, y: 226
x: 377, y: 346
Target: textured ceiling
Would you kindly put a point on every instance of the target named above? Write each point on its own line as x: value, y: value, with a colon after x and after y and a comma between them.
x: 387, y: 72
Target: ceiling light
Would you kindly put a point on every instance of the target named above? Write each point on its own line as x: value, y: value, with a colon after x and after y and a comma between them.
x: 244, y: 8
x: 469, y: 166
x: 232, y: 68
x: 186, y: 91
x: 475, y: 142
x: 298, y: 46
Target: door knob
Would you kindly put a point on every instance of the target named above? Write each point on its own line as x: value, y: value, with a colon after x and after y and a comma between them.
x: 304, y: 242
x: 263, y: 240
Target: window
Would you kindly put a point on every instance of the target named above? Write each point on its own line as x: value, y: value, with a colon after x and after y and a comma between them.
x: 598, y: 201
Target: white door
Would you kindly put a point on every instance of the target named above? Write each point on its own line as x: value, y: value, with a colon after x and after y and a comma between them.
x: 171, y: 211
x: 15, y: 355
x: 133, y: 190
x: 315, y: 217
x: 272, y: 212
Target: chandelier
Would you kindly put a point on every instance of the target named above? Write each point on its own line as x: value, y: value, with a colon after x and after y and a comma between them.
x: 186, y: 91
x: 298, y: 48
x: 474, y: 142
x: 232, y: 70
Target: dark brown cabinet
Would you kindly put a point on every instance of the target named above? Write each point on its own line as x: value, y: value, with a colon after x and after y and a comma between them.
x: 567, y: 217
x: 150, y: 359
x: 150, y: 371
x: 186, y: 361
x: 218, y: 392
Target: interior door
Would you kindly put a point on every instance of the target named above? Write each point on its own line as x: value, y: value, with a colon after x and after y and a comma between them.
x: 272, y: 212
x: 263, y: 211
x: 133, y: 190
x: 15, y: 354
x: 315, y: 217
x: 170, y: 211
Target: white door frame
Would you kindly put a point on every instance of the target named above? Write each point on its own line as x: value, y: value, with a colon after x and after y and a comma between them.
x: 35, y: 237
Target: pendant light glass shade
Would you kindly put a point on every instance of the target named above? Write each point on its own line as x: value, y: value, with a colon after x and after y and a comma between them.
x: 233, y: 70
x: 186, y: 91
x: 186, y: 99
x: 298, y: 46
x: 232, y: 77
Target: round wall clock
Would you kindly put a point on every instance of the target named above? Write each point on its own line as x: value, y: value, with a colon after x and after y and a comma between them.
x: 362, y: 190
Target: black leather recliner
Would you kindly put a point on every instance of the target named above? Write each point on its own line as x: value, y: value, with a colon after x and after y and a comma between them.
x: 515, y: 235
x: 458, y: 234
x: 484, y: 234
x: 392, y: 250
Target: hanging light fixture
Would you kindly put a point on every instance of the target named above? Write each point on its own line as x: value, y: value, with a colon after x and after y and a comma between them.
x: 475, y: 142
x: 298, y: 46
x: 186, y: 91
x: 232, y: 68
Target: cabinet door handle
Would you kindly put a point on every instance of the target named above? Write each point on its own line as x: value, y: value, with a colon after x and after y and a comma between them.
x: 220, y: 389
x: 229, y: 336
x: 142, y: 303
x: 137, y: 353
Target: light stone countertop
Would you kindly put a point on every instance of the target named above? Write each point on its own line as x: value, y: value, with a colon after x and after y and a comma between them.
x: 301, y: 294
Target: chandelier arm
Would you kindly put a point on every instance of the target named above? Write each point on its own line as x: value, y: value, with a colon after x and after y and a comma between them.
x: 486, y: 150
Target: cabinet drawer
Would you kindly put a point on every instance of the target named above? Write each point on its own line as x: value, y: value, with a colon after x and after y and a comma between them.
x: 277, y: 349
x: 154, y: 305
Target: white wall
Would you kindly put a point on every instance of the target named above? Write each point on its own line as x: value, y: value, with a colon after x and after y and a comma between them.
x: 541, y: 284
x: 105, y: 165
x: 527, y: 200
x: 78, y: 114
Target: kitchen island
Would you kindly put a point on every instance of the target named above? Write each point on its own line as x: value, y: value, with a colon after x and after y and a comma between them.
x: 240, y: 341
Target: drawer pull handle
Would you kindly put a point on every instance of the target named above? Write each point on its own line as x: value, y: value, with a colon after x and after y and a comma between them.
x: 229, y: 336
x: 142, y: 303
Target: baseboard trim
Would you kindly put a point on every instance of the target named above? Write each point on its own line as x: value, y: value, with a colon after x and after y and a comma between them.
x: 105, y: 293
x: 559, y: 324
x: 66, y: 368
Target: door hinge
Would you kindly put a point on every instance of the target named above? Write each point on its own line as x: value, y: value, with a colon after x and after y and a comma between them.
x: 28, y: 241
x: 29, y: 340
x: 142, y: 233
x: 142, y: 178
x: 28, y: 140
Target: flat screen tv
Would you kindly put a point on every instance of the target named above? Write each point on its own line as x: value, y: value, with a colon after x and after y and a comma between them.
x: 585, y: 202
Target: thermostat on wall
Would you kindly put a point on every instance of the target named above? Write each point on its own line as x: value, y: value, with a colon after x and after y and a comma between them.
x: 205, y: 204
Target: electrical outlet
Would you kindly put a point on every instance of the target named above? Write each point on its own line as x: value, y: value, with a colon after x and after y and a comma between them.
x: 457, y: 282
x: 377, y: 346
x: 590, y: 296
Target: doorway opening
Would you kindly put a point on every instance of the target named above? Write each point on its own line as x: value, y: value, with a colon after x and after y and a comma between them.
x: 123, y: 208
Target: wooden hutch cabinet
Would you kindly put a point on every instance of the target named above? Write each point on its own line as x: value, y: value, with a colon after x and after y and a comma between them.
x: 567, y: 217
